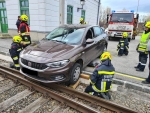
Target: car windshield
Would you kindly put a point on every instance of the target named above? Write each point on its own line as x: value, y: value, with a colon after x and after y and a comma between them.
x: 122, y: 17
x: 66, y: 35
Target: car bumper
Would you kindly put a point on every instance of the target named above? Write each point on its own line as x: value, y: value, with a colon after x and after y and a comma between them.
x: 117, y: 34
x: 48, y: 75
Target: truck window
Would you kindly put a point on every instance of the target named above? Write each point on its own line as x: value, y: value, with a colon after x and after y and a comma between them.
x: 122, y: 17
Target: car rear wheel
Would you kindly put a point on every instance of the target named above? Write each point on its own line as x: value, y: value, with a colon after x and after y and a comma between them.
x: 75, y: 73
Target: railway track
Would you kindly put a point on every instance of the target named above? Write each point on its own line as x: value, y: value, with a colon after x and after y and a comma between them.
x: 22, y: 95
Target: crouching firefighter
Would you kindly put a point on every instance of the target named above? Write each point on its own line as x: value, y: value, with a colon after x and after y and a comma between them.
x: 24, y: 31
x: 14, y: 51
x: 101, y: 79
x: 123, y: 45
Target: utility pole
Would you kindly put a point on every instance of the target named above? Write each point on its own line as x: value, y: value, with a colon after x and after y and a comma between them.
x: 137, y: 6
x: 99, y: 2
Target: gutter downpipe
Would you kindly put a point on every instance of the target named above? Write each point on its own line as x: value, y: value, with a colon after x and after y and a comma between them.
x: 99, y: 2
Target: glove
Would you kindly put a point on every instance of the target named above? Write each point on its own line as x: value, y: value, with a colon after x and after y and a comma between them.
x: 137, y: 47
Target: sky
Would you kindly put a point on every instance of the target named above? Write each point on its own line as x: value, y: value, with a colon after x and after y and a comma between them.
x: 144, y: 5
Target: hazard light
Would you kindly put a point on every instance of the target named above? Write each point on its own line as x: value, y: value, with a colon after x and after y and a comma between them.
x: 113, y: 11
x: 132, y: 11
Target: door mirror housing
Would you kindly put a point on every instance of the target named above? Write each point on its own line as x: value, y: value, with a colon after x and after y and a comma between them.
x: 89, y: 41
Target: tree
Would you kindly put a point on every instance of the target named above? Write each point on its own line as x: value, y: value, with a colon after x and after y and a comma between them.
x: 103, y: 15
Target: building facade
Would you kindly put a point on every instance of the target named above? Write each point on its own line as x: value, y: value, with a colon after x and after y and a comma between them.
x: 45, y: 15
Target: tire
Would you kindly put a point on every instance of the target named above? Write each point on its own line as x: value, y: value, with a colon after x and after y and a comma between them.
x: 75, y: 73
x: 129, y: 39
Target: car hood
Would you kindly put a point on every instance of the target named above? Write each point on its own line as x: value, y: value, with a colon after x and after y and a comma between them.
x: 49, y: 49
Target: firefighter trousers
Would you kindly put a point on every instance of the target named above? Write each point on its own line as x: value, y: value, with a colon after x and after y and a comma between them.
x: 142, y: 61
x: 27, y: 40
x: 104, y: 95
x: 122, y: 51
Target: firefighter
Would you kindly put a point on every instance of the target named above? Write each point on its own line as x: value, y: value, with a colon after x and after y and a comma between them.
x: 14, y: 51
x: 101, y: 79
x: 82, y: 21
x: 24, y: 31
x: 142, y: 48
x: 123, y: 45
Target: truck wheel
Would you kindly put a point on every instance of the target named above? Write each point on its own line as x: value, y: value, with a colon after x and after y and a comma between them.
x: 129, y: 39
x: 75, y: 73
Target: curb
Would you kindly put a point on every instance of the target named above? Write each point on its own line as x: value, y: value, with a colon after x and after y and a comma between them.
x: 4, y: 53
x: 129, y: 85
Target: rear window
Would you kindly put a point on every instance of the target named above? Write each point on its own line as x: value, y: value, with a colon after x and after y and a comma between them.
x: 66, y: 35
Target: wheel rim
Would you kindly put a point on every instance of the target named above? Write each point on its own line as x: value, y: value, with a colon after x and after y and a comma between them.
x: 76, y: 74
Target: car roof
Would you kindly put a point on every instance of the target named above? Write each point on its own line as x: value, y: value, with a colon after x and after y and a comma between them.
x: 76, y: 26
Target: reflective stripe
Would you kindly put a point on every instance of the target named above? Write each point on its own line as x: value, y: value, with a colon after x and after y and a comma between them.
x: 121, y: 48
x: 15, y: 58
x: 106, y: 72
x: 92, y: 82
x: 104, y: 86
x: 121, y: 41
x: 143, y: 64
x: 26, y: 42
x: 19, y: 49
x: 17, y: 65
x: 26, y: 33
x: 97, y: 90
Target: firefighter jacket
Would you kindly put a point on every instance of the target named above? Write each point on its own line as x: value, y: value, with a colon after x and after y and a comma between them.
x: 24, y: 32
x: 101, y: 79
x: 142, y: 47
x: 15, y: 49
x: 123, y: 44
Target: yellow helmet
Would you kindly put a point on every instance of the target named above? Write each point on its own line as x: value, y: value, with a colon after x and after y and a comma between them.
x: 17, y: 39
x: 84, y: 22
x: 105, y: 55
x: 24, y: 17
x: 147, y: 24
x: 125, y: 34
x: 81, y: 19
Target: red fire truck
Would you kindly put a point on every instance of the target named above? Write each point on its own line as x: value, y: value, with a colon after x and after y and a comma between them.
x: 122, y: 21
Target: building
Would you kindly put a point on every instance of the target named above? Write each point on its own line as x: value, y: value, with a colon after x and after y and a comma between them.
x: 45, y: 15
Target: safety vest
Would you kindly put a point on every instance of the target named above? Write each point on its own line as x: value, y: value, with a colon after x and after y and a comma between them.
x: 106, y: 82
x: 143, y: 43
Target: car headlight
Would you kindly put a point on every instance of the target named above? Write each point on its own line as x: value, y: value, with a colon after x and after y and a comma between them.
x: 58, y: 64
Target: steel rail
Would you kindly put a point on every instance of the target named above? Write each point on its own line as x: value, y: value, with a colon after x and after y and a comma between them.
x: 15, y: 75
x: 95, y: 100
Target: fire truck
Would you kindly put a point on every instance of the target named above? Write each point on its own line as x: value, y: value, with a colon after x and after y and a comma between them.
x: 122, y: 21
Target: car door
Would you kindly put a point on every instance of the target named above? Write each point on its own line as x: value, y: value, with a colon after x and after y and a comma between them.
x: 100, y: 41
x: 89, y: 49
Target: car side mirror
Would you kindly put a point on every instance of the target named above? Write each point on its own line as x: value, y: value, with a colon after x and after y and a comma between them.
x: 89, y: 41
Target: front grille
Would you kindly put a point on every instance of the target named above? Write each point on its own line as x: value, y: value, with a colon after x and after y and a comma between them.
x: 33, y: 64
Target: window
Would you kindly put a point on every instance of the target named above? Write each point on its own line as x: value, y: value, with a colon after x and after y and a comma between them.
x: 69, y: 14
x: 83, y: 14
x: 71, y: 36
x: 97, y: 31
x: 24, y: 8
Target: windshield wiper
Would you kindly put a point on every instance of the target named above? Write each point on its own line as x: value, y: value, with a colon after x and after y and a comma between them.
x: 59, y: 41
x: 124, y: 21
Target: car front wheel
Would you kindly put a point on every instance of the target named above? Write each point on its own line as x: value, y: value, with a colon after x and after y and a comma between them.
x: 75, y: 73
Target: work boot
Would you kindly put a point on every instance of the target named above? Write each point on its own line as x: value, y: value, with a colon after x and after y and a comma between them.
x: 17, y: 68
x: 145, y: 82
x: 12, y: 66
x: 137, y: 69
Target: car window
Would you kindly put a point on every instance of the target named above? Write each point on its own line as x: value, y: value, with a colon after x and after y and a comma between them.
x: 89, y: 34
x: 66, y: 35
x: 97, y: 31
